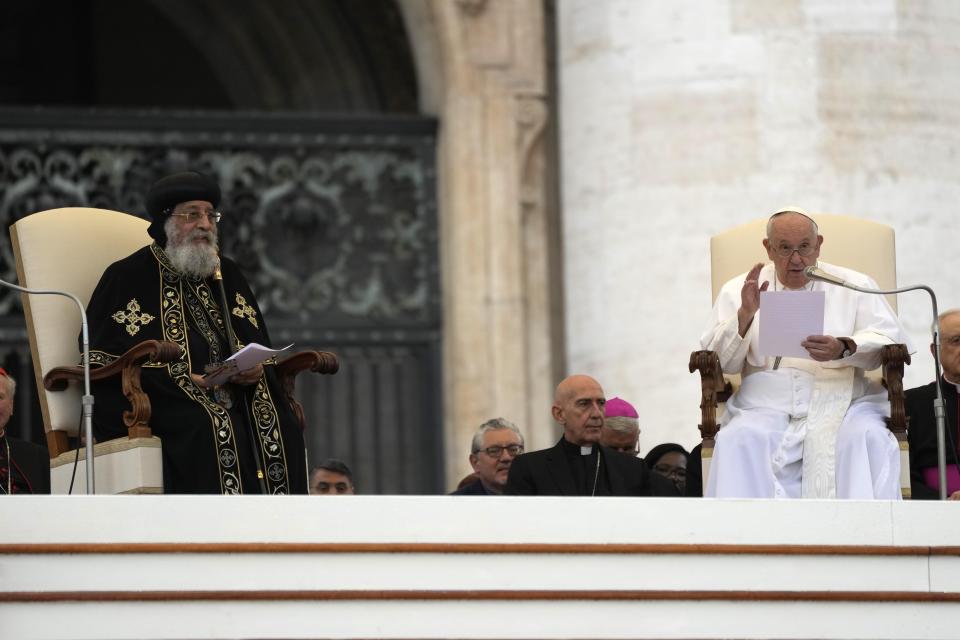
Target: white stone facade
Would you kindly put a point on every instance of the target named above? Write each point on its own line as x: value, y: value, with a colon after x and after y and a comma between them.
x: 679, y: 119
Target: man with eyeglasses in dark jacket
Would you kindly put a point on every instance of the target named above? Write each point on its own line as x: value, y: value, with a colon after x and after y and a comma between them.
x: 494, y: 447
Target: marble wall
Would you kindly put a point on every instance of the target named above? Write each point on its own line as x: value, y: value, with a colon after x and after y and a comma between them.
x: 681, y: 118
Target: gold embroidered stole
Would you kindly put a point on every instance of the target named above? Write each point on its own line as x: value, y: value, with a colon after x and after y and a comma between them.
x: 176, y: 293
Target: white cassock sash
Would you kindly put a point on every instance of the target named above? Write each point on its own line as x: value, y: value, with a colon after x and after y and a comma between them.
x: 831, y: 397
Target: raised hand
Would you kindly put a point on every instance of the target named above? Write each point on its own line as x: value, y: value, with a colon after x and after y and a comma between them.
x: 750, y: 298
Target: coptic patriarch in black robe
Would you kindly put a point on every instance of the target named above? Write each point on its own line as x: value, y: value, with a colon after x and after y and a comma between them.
x: 213, y: 440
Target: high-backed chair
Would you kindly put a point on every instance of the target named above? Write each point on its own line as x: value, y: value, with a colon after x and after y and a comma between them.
x: 68, y: 249
x: 865, y: 246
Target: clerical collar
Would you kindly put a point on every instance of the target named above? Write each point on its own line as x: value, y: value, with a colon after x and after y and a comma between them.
x: 576, y: 449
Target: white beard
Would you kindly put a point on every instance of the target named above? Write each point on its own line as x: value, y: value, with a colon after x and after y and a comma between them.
x: 187, y: 257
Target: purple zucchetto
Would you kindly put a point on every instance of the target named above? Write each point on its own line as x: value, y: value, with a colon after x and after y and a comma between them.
x: 166, y: 193
x: 619, y: 408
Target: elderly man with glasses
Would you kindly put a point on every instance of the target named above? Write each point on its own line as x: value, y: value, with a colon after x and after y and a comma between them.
x: 494, y: 447
x: 804, y: 427
x: 238, y: 437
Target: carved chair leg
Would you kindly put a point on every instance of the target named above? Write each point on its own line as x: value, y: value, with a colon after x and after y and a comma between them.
x: 137, y: 420
x: 894, y: 357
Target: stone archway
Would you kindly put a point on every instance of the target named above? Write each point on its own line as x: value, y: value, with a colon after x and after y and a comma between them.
x: 483, y: 71
x: 301, y: 55
x: 355, y: 194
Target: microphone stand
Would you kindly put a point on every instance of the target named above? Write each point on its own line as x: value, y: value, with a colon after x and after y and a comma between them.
x: 232, y: 340
x: 939, y: 413
x: 86, y: 403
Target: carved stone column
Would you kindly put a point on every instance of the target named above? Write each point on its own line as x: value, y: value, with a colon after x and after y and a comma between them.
x: 482, y: 67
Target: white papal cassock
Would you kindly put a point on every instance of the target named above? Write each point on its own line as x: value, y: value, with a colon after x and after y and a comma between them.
x: 811, y: 429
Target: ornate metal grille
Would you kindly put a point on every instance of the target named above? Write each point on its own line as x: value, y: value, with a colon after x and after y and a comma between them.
x: 333, y: 221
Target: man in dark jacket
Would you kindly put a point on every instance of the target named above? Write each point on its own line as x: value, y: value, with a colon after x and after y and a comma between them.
x: 495, y: 446
x: 922, y: 431
x: 578, y: 465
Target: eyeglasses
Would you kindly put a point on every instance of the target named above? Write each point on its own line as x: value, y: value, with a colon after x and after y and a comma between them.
x: 671, y: 471
x: 194, y: 217
x: 495, y: 452
x: 786, y: 251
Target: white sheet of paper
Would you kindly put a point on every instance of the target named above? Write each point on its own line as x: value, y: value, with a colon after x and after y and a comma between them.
x: 247, y: 358
x: 787, y: 318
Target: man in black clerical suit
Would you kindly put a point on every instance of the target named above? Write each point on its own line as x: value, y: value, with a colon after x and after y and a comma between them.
x: 578, y: 465
x: 241, y: 437
x: 24, y: 466
x: 922, y: 430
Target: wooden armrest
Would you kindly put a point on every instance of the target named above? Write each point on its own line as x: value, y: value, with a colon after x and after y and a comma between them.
x: 128, y: 365
x: 894, y: 357
x: 288, y: 368
x: 316, y: 361
x: 147, y: 351
x: 713, y: 390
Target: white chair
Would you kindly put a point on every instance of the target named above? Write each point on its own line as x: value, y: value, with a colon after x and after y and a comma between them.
x: 68, y: 249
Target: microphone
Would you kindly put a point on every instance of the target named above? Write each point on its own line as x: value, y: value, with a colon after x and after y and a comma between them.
x: 86, y: 401
x: 815, y: 273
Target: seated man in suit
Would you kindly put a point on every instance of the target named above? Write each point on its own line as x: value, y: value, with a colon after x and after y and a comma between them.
x: 494, y: 447
x: 578, y: 465
x: 922, y: 431
x: 24, y: 466
x: 811, y: 427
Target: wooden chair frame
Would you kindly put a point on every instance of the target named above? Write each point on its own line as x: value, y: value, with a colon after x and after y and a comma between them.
x: 714, y: 389
x: 129, y: 366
